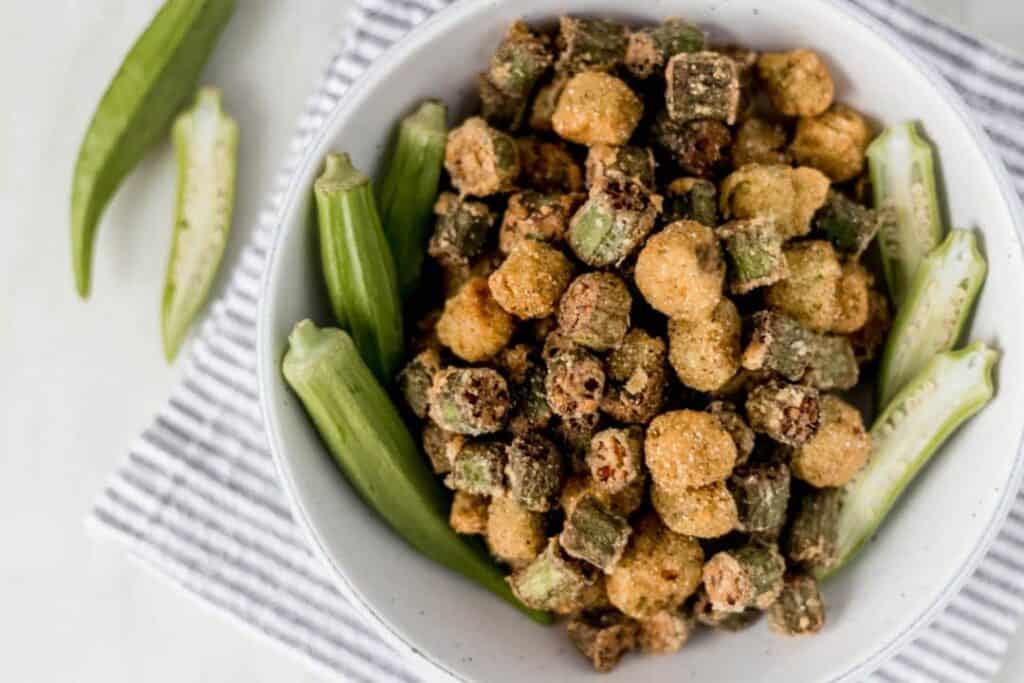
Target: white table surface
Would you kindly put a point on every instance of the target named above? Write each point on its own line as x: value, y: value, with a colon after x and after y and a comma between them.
x: 81, y: 379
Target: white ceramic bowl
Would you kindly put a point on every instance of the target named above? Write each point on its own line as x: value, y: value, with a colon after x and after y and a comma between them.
x: 924, y: 552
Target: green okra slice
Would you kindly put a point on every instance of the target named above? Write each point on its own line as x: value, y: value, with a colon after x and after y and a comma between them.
x: 470, y: 401
x: 788, y: 413
x: 157, y: 75
x: 832, y: 363
x: 594, y: 311
x: 848, y: 225
x: 206, y: 145
x: 534, y: 472
x: 416, y: 378
x: 813, y: 533
x: 649, y: 49
x: 478, y: 468
x: 408, y: 188
x: 590, y: 44
x: 754, y: 250
x: 954, y: 386
x: 800, y: 609
x: 903, y: 180
x: 546, y: 101
x: 595, y: 534
x: 551, y: 582
x: 358, y: 266
x: 461, y: 230
x: 934, y: 312
x: 521, y: 59
x: 702, y: 85
x: 778, y: 344
x: 761, y: 492
x: 499, y: 108
x: 694, y: 199
x: 749, y: 576
x: 365, y: 434
x: 613, y: 222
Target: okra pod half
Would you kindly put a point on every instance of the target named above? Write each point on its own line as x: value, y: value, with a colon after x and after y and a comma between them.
x: 903, y: 179
x: 358, y: 266
x: 950, y: 389
x: 934, y: 311
x: 407, y: 191
x: 206, y: 145
x: 371, y: 444
x: 154, y: 79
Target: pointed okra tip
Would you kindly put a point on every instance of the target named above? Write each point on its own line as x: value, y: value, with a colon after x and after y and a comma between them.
x: 430, y: 117
x: 339, y: 175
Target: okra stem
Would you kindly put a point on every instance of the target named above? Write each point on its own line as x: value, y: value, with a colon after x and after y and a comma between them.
x: 407, y: 191
x: 358, y: 266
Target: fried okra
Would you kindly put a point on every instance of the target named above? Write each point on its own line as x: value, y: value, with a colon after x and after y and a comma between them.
x: 852, y: 298
x: 469, y: 401
x: 552, y: 582
x: 535, y: 216
x: 868, y: 340
x: 469, y: 513
x: 753, y: 248
x: 810, y: 292
x: 416, y: 378
x: 658, y: 570
x: 626, y: 163
x: 685, y: 449
x: 693, y: 199
x: 788, y: 413
x: 788, y: 196
x: 461, y: 230
x: 798, y: 82
x: 514, y: 535
x: 478, y: 468
x: 732, y: 422
x: 625, y: 502
x: 707, y: 511
x: 575, y: 382
x: 546, y: 101
x: 590, y: 44
x: 481, y: 160
x: 680, y: 271
x: 534, y: 471
x: 441, y: 446
x: 699, y: 147
x: 548, y: 166
x: 706, y: 353
x: 473, y: 325
x: 594, y: 311
x: 617, y: 216
x: 603, y: 637
x: 596, y: 108
x: 749, y: 576
x: 531, y: 280
x: 702, y: 85
x: 649, y: 49
x: 837, y: 450
x: 595, y: 534
x: 761, y: 492
x: 634, y: 391
x: 615, y: 458
x: 833, y: 142
x: 759, y: 141
x: 799, y: 609
x: 666, y: 632
x: 516, y: 66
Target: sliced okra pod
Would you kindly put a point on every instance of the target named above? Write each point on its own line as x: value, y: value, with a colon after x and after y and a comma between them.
x: 590, y: 44
x: 649, y: 49
x: 694, y: 199
x: 408, y: 188
x: 628, y: 163
x: 481, y: 160
x: 595, y: 534
x: 832, y: 363
x: 516, y: 66
x: 499, y: 108
x: 206, y: 143
x: 416, y: 378
x: 788, y: 413
x: 848, y: 225
x: 360, y: 272
x: 479, y: 468
x: 813, y: 532
x: 469, y: 401
x: 761, y: 492
x: 460, y: 231
x: 934, y: 311
x: 615, y: 458
x: 800, y: 609
x: 635, y: 389
x: 534, y: 472
x: 950, y: 389
x: 155, y: 78
x: 750, y: 576
x: 778, y: 344
x: 700, y: 147
x: 575, y: 383
x: 546, y: 101
x: 613, y: 222
x: 594, y: 311
x: 702, y: 85
x: 754, y: 249
x: 551, y: 582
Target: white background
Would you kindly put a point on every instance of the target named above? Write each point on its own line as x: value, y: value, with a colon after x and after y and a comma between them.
x: 79, y: 380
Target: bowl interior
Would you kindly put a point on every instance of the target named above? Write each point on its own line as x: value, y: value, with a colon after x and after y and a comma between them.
x: 923, y: 551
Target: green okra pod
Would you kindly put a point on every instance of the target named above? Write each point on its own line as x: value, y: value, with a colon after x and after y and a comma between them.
x: 950, y: 389
x: 206, y: 144
x: 934, y: 311
x: 154, y: 79
x: 903, y: 180
x: 408, y: 188
x: 371, y: 444
x: 358, y: 266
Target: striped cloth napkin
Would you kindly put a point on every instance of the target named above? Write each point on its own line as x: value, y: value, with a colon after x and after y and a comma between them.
x: 198, y: 496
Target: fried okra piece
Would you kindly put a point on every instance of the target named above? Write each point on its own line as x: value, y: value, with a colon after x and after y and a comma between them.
x: 546, y: 101
x: 810, y: 293
x: 799, y: 609
x: 573, y: 435
x: 460, y: 231
x: 530, y: 409
x: 788, y: 196
x: 759, y: 141
x: 473, y: 325
x: 520, y: 60
x: 761, y: 492
x: 470, y: 401
x: 548, y: 166
x: 837, y: 451
x: 590, y: 44
x: 478, y: 468
x: 848, y: 225
x: 575, y: 383
x: 749, y: 576
x: 617, y: 216
x: 531, y: 280
x: 666, y: 632
x: 416, y: 378
x: 788, y: 413
x: 625, y: 502
x: 649, y: 49
x: 514, y: 535
x: 702, y: 85
x: 596, y: 108
x: 594, y: 311
x: 868, y: 340
x: 834, y: 142
x: 636, y: 378
x: 778, y: 344
x: 852, y: 294
x: 441, y: 446
x: 699, y: 147
x: 798, y: 82
x: 534, y: 472
x: 469, y: 513
x: 481, y: 160
x: 703, y: 512
x: 732, y: 422
x: 551, y: 582
x: 625, y: 163
x: 706, y: 353
x: 693, y: 199
x: 595, y: 534
x: 753, y: 248
x: 658, y: 571
x: 705, y: 613
x: 603, y: 637
x: 832, y: 363
x: 812, y: 539
x: 680, y: 271
x: 746, y: 63
x: 685, y: 449
x: 615, y: 458
x: 500, y: 109
x: 535, y: 216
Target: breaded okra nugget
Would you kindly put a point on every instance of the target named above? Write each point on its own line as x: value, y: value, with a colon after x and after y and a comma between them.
x: 834, y: 142
x: 809, y: 293
x: 473, y: 325
x: 530, y: 281
x: 837, y: 451
x: 597, y: 108
x: 514, y: 534
x: 704, y: 512
x: 798, y: 82
x: 706, y: 353
x: 686, y: 448
x: 680, y: 271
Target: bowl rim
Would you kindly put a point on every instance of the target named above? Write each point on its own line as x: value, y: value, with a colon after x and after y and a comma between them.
x: 430, y: 29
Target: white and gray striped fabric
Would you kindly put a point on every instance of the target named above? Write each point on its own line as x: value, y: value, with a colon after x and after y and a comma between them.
x: 198, y: 497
